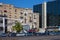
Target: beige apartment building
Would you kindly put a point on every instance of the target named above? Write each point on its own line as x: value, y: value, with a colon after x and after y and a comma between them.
x: 24, y: 15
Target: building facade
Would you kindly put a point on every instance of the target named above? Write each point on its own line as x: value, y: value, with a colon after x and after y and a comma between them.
x: 23, y: 15
x: 3, y: 23
x: 52, y: 12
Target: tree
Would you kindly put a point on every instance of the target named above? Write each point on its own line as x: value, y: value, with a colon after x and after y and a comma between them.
x: 18, y: 27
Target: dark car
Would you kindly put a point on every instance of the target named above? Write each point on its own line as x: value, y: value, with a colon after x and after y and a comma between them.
x: 28, y: 34
x: 54, y: 33
x: 39, y: 34
x: 12, y: 34
x: 3, y: 35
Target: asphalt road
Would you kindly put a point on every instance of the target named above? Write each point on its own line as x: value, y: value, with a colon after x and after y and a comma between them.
x: 57, y: 37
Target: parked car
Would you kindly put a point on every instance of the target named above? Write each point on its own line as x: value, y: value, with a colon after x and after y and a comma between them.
x: 54, y: 33
x: 20, y: 34
x: 28, y: 34
x: 39, y: 34
x: 12, y: 34
x: 3, y: 35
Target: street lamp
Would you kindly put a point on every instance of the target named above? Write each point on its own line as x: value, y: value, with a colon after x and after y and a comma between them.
x: 32, y: 24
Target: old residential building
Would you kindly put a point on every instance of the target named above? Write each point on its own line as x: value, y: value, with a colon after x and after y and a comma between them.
x: 24, y: 15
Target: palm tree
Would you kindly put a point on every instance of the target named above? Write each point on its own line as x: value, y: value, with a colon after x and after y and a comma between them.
x: 18, y: 27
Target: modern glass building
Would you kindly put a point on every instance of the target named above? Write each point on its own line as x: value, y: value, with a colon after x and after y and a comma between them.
x: 52, y: 12
x: 38, y: 9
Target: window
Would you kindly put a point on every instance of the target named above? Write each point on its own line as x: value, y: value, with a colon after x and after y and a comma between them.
x: 4, y: 7
x: 21, y: 13
x: 30, y: 20
x: 9, y: 8
x: 5, y: 15
x: 15, y: 10
x: 5, y: 21
x: 22, y: 22
x: 35, y: 23
x: 29, y: 13
x: 15, y: 13
x: 1, y: 11
x: 0, y: 5
x: 1, y: 21
x: 15, y: 16
x: 21, y: 17
x: 34, y: 17
x: 5, y: 10
x: 25, y: 20
x: 15, y: 21
x: 9, y: 15
x: 1, y: 28
x: 30, y: 17
x: 26, y: 9
x: 25, y: 14
x: 9, y: 5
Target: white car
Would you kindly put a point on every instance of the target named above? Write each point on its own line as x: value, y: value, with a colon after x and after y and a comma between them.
x: 20, y: 34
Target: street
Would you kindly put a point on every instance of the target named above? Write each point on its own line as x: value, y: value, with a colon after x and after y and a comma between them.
x: 57, y: 37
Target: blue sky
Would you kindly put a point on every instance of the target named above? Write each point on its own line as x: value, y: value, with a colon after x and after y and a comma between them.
x: 23, y: 3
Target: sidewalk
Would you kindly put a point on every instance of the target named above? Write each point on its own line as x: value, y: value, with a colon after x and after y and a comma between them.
x: 57, y: 37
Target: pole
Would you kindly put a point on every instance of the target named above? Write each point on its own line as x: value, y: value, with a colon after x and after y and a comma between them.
x: 3, y: 25
x: 32, y: 24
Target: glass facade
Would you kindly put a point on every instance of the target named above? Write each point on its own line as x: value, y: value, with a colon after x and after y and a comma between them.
x: 53, y: 13
x: 38, y: 9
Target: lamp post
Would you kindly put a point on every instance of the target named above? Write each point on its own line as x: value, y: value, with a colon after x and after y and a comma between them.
x: 3, y: 25
x: 32, y: 24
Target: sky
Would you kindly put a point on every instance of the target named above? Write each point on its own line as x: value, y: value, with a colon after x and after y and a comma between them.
x: 23, y: 3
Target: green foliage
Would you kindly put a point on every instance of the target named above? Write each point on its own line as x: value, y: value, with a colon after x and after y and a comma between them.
x: 18, y: 27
